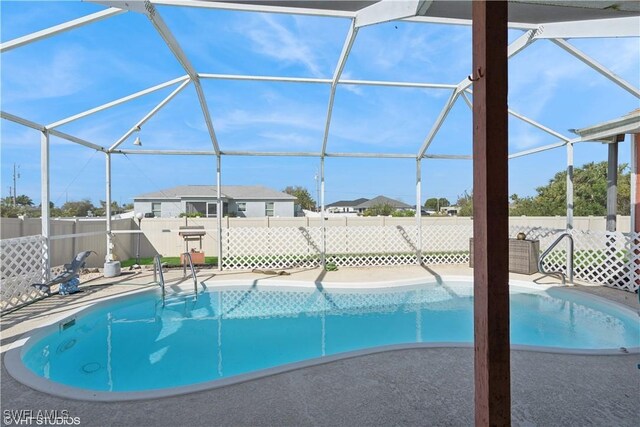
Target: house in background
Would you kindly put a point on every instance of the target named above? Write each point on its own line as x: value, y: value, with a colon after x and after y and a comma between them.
x: 382, y: 200
x: 250, y: 201
x: 345, y: 206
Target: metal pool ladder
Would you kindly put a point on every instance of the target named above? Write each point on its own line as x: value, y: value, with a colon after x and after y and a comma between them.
x: 158, y: 274
x: 562, y: 274
x: 187, y: 256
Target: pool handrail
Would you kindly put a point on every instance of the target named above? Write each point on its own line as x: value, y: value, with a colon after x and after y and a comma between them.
x: 562, y: 274
x: 187, y: 256
x: 157, y: 272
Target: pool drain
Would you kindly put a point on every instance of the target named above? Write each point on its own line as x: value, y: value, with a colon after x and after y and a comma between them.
x: 91, y: 367
x: 66, y: 345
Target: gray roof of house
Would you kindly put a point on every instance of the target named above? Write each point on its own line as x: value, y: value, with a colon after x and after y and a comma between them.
x: 382, y: 200
x: 238, y: 192
x: 347, y: 203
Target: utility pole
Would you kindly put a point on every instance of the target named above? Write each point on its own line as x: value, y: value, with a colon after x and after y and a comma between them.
x: 16, y: 175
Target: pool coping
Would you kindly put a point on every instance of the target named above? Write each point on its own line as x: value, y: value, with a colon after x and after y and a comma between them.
x: 17, y: 370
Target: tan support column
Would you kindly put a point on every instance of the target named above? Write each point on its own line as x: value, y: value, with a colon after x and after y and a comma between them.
x: 490, y: 215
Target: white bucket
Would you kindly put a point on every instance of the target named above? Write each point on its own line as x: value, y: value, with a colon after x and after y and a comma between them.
x: 111, y: 269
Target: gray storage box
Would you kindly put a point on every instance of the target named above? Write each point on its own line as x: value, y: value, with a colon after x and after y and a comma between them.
x: 523, y: 255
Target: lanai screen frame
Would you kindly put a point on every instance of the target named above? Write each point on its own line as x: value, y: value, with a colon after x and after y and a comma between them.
x: 376, y: 13
x: 491, y: 307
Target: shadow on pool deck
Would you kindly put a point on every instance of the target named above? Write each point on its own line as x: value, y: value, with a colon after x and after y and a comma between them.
x: 406, y: 387
x: 426, y: 386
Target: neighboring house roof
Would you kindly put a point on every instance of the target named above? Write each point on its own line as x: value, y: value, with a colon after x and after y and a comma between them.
x: 237, y: 192
x: 382, y: 200
x: 347, y: 203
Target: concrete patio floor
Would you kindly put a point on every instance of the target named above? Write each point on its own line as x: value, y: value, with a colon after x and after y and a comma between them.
x: 422, y: 386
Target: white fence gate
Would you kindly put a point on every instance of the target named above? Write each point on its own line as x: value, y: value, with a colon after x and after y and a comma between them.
x: 23, y: 263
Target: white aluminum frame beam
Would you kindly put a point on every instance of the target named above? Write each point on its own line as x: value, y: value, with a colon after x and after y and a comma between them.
x: 167, y: 152
x: 45, y: 198
x: 71, y: 138
x: 398, y: 84
x: 466, y: 22
x: 524, y: 119
x: 448, y: 156
x: 61, y: 28
x: 390, y: 10
x: 438, y: 123
x: 569, y: 189
x: 248, y: 7
x: 21, y: 121
x: 165, y: 33
x: 150, y: 114
x: 287, y: 154
x: 538, y: 149
x: 219, y: 208
x: 116, y: 102
x: 419, y: 85
x: 342, y: 61
x: 597, y: 66
x: 263, y: 78
x: 515, y: 47
x: 593, y: 28
x: 419, y: 210
x: 109, y: 254
x: 53, y: 132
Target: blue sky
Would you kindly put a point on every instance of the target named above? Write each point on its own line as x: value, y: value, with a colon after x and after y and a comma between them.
x: 86, y: 67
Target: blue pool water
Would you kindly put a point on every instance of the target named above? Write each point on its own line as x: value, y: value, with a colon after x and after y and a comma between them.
x: 134, y: 344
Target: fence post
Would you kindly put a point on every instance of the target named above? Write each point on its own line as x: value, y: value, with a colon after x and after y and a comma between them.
x: 219, y: 208
x: 323, y: 256
x: 419, y: 210
x: 44, y: 203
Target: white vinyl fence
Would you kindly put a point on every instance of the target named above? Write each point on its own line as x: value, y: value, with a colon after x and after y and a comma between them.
x: 610, y: 259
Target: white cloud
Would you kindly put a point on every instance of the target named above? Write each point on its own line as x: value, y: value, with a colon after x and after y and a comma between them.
x: 35, y: 77
x: 272, y: 38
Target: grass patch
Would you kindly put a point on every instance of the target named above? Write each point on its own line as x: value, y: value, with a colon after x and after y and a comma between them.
x: 169, y: 260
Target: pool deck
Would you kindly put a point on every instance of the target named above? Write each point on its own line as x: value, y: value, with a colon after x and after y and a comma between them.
x: 422, y: 386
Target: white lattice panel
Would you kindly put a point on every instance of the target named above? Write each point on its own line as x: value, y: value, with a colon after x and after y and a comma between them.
x: 22, y: 264
x: 605, y: 258
x: 371, y: 246
x: 446, y: 244
x: 632, y: 247
x: 271, y: 247
x: 609, y: 259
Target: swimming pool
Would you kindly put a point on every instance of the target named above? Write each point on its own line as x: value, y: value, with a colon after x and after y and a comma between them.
x: 132, y: 347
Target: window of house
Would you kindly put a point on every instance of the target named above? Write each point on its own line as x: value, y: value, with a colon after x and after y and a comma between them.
x: 242, y: 206
x: 197, y: 207
x: 212, y: 210
x: 268, y: 209
x: 156, y: 209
